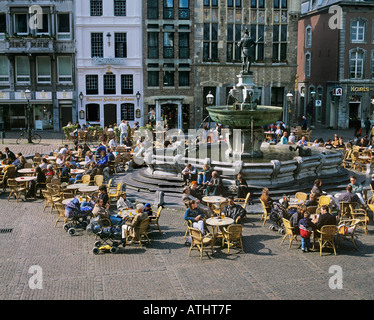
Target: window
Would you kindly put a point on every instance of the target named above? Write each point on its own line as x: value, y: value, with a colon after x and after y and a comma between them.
x: 308, y: 37
x: 2, y: 26
x: 168, y: 78
x: 4, y: 69
x: 97, y: 45
x: 93, y: 112
x: 63, y: 26
x: 279, y: 43
x: 96, y: 8
x: 356, y: 64
x: 308, y: 65
x: 184, y: 45
x: 168, y: 9
x: 128, y: 111
x: 213, y: 3
x: 127, y: 84
x: 64, y: 66
x: 120, y: 7
x: 92, y: 84
x: 257, y: 3
x: 234, y: 32
x: 20, y: 24
x: 120, y: 45
x: 184, y: 11
x: 372, y: 64
x: 22, y: 69
x: 43, y: 69
x: 169, y: 45
x: 109, y: 84
x: 153, y: 77
x: 184, y: 78
x: 358, y: 30
x: 210, y: 44
x: 152, y: 9
x: 45, y: 25
x: 152, y: 45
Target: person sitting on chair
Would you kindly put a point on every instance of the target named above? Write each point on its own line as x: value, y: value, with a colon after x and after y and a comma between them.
x: 265, y: 198
x: 233, y: 210
x: 187, y: 197
x: 123, y: 203
x: 132, y: 227
x: 195, y: 216
x: 242, y: 186
x: 215, y: 185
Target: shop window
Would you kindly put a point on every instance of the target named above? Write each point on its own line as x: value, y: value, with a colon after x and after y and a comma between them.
x: 93, y: 112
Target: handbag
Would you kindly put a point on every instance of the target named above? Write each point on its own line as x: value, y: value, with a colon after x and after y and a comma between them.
x: 305, y: 232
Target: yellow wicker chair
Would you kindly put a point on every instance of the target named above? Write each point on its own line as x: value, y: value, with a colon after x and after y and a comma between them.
x: 327, y: 238
x: 232, y: 235
x: 265, y: 216
x: 289, y: 232
x: 154, y: 220
x: 199, y: 242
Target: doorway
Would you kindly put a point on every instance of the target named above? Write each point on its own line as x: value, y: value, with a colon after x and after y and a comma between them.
x: 110, y: 115
x: 169, y: 114
x: 353, y: 113
x: 66, y: 115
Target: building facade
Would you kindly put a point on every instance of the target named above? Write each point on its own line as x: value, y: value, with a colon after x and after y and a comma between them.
x: 219, y: 25
x: 169, y: 81
x: 109, y: 61
x: 37, y: 52
x: 336, y: 62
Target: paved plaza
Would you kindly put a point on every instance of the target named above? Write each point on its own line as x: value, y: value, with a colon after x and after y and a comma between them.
x: 31, y: 247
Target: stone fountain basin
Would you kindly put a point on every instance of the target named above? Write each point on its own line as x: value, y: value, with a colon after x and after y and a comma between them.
x: 242, y: 119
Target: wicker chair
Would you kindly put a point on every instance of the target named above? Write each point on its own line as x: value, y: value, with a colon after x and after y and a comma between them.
x: 16, y: 189
x: 290, y: 232
x: 154, y: 220
x: 232, y: 235
x: 61, y: 213
x: 141, y: 232
x: 265, y: 216
x: 98, y: 180
x: 301, y: 196
x: 327, y: 238
x: 346, y: 231
x: 243, y: 202
x: 199, y: 242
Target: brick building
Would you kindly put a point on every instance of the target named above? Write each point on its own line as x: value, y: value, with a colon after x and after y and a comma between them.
x: 336, y: 62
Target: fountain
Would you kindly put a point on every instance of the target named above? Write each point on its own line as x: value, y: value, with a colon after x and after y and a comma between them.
x: 242, y: 148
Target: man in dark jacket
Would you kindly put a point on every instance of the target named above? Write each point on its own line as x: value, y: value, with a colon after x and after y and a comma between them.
x: 214, y: 187
x: 233, y: 210
x: 325, y: 218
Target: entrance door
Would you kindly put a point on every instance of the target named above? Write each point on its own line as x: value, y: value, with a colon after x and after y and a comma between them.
x: 353, y: 113
x: 17, y: 116
x: 110, y: 114
x: 66, y: 115
x: 169, y: 114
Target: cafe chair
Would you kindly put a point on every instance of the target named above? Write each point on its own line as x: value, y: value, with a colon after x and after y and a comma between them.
x: 114, y: 193
x: 98, y: 180
x: 139, y: 232
x: 50, y: 200
x: 290, y: 232
x: 346, y: 231
x: 324, y: 201
x: 28, y: 165
x: 346, y: 209
x: 301, y: 196
x: 189, y: 225
x: 16, y: 189
x: 232, y: 236
x: 199, y: 242
x: 327, y: 238
x: 217, y: 210
x: 61, y: 213
x: 86, y: 179
x: 153, y: 220
x: 361, y: 215
x: 243, y: 202
x: 265, y: 216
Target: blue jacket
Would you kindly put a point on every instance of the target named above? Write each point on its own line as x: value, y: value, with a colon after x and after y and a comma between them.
x: 103, y: 160
x: 191, y: 215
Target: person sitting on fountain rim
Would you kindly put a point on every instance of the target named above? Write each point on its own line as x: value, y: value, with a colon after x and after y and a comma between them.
x: 283, y: 140
x: 215, y: 185
x: 189, y: 173
x: 265, y: 198
x: 234, y: 211
x: 303, y: 141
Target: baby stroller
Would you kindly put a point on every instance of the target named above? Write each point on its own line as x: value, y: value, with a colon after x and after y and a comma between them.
x: 78, y: 215
x: 277, y: 213
x: 110, y: 233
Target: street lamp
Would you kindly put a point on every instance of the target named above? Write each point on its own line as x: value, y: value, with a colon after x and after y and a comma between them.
x: 28, y: 97
x: 312, y: 94
x: 138, y: 95
x: 210, y: 98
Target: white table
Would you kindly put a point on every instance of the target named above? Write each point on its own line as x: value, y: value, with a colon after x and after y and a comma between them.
x: 27, y: 171
x: 77, y: 171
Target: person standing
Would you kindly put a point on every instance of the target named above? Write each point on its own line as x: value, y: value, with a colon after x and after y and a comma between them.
x: 123, y: 131
x: 367, y: 125
x: 306, y: 226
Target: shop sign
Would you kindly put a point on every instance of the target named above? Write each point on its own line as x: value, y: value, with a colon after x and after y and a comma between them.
x: 337, y: 91
x: 360, y: 89
x: 4, y: 95
x: 109, y: 99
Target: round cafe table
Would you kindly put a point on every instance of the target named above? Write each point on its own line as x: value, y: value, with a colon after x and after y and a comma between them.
x: 213, y: 200
x: 127, y: 213
x: 75, y: 186
x: 66, y: 201
x: 87, y: 189
x: 217, y: 223
x: 27, y: 171
x: 77, y: 171
x: 25, y: 180
x: 50, y: 158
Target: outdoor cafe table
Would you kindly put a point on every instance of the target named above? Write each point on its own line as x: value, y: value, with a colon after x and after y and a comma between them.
x: 127, y: 213
x: 77, y: 171
x: 50, y: 158
x: 213, y: 200
x: 76, y: 186
x: 88, y: 189
x: 66, y: 201
x: 218, y: 222
x: 27, y: 171
x: 25, y: 180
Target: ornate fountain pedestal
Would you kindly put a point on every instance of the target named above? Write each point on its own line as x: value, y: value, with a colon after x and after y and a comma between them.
x: 246, y: 143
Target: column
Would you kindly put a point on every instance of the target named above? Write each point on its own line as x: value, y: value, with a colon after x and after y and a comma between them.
x: 180, y: 120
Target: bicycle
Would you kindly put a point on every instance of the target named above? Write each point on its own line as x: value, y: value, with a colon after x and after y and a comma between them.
x: 35, y: 138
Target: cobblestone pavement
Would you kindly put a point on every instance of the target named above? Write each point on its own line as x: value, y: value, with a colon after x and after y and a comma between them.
x: 162, y: 270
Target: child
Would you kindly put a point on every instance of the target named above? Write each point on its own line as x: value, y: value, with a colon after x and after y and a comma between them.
x: 306, y: 227
x: 148, y: 209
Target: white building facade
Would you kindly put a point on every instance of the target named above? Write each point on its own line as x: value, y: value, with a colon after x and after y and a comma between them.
x: 109, y: 61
